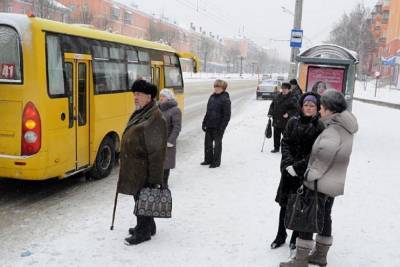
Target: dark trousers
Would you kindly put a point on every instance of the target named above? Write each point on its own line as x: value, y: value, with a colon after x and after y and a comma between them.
x: 327, y: 231
x: 165, y: 178
x: 281, y: 227
x: 213, y: 146
x: 277, y: 137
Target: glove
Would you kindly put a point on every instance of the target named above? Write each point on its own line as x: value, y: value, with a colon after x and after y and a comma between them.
x: 291, y: 171
x: 170, y: 145
x: 204, y: 128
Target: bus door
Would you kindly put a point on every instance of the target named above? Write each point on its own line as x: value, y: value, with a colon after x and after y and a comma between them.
x: 78, y: 73
x: 156, y: 74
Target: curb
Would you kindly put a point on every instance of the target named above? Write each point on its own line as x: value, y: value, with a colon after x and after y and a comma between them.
x: 378, y: 103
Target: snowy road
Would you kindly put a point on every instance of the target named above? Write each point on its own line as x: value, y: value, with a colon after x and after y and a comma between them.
x: 221, y: 217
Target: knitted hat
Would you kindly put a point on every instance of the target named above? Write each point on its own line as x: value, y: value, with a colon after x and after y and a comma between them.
x: 144, y: 87
x: 310, y: 98
x: 168, y: 93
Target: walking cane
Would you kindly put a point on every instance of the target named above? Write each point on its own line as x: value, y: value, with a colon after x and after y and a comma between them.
x: 115, y: 207
x: 262, y: 149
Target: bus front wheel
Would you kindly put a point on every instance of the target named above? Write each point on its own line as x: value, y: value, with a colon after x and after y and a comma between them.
x: 105, y: 159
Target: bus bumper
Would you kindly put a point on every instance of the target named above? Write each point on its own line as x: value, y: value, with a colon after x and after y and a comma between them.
x: 23, y: 167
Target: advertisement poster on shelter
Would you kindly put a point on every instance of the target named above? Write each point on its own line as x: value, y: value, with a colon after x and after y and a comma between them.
x: 320, y: 79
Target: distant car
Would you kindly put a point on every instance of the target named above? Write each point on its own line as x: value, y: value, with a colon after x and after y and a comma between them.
x: 267, y: 89
x: 266, y: 77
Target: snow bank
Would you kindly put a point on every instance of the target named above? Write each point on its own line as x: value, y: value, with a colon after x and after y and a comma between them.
x: 367, y: 91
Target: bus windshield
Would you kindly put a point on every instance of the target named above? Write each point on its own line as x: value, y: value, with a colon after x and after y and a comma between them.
x: 10, y: 65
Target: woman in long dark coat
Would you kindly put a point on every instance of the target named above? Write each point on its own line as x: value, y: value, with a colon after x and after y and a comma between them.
x: 299, y: 136
x: 173, y: 117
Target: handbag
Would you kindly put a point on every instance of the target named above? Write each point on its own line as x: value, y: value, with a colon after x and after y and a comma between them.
x: 154, y: 202
x: 268, y: 130
x: 305, y: 210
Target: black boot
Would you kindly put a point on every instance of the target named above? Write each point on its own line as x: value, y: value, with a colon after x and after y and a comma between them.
x: 153, y: 228
x: 281, y: 236
x: 292, y: 244
x: 279, y: 240
x: 214, y: 165
x: 142, y: 232
x: 205, y: 163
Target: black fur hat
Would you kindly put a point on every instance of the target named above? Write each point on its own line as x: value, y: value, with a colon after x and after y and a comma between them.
x: 144, y: 87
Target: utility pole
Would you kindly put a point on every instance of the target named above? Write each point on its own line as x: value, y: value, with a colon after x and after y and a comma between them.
x: 241, y: 66
x: 298, y: 11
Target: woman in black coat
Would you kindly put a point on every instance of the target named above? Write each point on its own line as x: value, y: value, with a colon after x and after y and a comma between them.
x: 215, y: 122
x: 298, y: 139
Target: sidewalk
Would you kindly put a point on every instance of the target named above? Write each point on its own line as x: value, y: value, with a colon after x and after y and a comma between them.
x: 227, y: 216
x: 385, y: 96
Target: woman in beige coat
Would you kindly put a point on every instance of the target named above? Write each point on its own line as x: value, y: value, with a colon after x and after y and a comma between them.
x: 328, y: 164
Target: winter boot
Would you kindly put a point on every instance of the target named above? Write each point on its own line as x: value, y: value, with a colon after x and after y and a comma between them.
x: 319, y: 253
x: 152, y: 228
x: 292, y: 244
x: 303, y: 248
x: 142, y: 232
x: 279, y: 240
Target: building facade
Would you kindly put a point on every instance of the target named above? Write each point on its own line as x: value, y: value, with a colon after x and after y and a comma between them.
x: 217, y: 54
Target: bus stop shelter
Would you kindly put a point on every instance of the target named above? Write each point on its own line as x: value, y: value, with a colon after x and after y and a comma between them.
x: 328, y: 66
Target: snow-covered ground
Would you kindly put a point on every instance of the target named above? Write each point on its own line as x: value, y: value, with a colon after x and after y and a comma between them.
x: 227, y: 216
x: 385, y: 94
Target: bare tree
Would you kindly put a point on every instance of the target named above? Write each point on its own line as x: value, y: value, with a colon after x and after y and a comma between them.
x: 232, y: 56
x: 4, y: 5
x: 352, y: 32
x: 43, y: 8
x: 86, y: 15
x: 206, y: 49
x: 159, y: 31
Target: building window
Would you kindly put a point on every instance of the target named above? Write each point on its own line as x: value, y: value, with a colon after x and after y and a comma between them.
x: 128, y: 18
x: 385, y: 17
x: 115, y: 13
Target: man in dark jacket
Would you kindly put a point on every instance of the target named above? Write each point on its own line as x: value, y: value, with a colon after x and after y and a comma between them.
x: 215, y: 122
x: 295, y: 88
x: 143, y: 147
x: 283, y: 107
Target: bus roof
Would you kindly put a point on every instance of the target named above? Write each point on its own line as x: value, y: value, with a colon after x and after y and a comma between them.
x: 20, y: 22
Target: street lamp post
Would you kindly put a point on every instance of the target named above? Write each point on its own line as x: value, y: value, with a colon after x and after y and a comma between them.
x: 295, y: 51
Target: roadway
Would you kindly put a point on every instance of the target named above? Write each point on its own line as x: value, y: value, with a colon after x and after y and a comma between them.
x: 20, y: 201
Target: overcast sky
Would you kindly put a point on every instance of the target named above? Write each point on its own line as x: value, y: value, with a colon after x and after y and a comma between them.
x: 264, y: 21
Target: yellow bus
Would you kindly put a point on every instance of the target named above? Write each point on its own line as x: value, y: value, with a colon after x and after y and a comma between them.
x: 65, y: 98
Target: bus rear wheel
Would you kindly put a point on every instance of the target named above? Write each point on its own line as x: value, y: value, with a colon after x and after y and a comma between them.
x: 105, y: 159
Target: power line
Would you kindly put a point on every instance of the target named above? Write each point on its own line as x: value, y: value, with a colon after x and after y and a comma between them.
x: 209, y: 15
